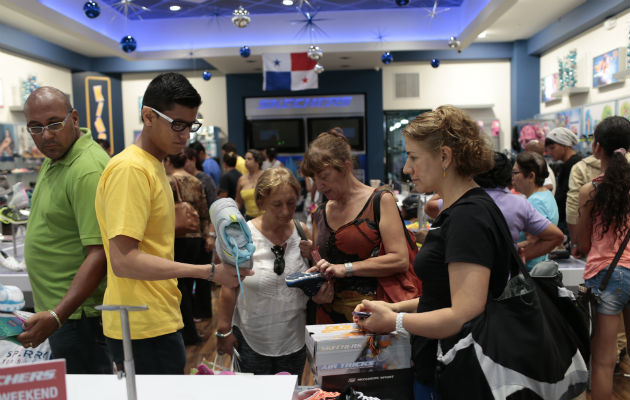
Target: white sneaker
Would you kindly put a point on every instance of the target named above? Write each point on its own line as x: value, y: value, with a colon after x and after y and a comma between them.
x: 11, y: 298
x: 11, y: 263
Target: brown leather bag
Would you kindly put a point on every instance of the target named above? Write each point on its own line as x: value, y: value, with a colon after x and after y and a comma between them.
x: 186, y: 217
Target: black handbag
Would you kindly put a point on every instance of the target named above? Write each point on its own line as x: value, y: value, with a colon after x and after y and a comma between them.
x: 587, y: 300
x: 529, y: 343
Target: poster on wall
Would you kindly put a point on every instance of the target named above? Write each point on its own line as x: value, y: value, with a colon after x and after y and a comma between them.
x: 7, y: 142
x: 26, y: 146
x: 1, y: 95
x: 550, y: 85
x: 604, y: 67
x: 98, y: 99
x: 593, y: 113
x: 623, y: 107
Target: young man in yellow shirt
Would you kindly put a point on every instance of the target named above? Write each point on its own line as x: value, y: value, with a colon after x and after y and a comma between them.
x: 136, y: 214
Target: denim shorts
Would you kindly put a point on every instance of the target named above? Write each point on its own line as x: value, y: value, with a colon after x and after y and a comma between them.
x: 616, y: 296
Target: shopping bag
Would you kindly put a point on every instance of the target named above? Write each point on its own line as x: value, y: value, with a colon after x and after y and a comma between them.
x: 12, y: 353
x: 529, y: 343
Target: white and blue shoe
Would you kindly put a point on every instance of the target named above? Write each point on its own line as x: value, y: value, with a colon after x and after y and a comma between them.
x: 11, y: 298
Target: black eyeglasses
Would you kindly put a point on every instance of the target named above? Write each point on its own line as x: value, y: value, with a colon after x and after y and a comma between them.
x: 177, y: 124
x: 278, y: 263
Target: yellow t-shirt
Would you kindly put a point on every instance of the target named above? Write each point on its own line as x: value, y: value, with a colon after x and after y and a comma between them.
x: 134, y: 199
x: 240, y: 165
x: 249, y: 200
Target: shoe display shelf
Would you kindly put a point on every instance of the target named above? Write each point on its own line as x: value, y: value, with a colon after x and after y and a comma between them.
x: 21, y: 169
x: 14, y: 277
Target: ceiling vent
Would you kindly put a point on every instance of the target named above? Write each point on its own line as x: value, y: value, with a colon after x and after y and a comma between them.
x: 407, y: 85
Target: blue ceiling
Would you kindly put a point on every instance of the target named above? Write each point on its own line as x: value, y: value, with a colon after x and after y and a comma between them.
x: 159, y: 9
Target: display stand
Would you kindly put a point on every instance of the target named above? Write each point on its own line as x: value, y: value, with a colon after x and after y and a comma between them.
x: 622, y: 75
x: 129, y: 372
x: 570, y: 91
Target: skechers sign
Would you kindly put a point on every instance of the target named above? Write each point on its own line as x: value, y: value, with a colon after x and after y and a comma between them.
x: 305, y: 102
x: 304, y: 106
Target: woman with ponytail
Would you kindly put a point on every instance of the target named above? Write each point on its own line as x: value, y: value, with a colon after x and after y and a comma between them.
x: 603, y: 222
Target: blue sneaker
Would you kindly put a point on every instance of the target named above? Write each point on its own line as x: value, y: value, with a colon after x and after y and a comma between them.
x: 309, y: 282
x: 11, y: 298
x: 234, y: 239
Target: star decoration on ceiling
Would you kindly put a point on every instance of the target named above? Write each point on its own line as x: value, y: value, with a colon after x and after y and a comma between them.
x: 310, y: 25
x: 125, y: 7
x: 433, y: 12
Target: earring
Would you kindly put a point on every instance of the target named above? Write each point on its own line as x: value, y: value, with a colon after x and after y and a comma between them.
x: 444, y: 172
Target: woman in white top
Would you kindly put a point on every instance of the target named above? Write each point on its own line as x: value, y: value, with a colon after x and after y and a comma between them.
x: 266, y: 323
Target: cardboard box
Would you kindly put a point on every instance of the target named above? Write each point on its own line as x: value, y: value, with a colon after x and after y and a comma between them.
x: 339, y: 349
x: 394, y: 384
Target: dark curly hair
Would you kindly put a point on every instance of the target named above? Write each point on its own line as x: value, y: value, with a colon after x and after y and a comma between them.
x: 499, y: 176
x: 611, y: 201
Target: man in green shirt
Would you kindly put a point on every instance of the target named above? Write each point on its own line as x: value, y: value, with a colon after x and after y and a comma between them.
x: 63, y: 247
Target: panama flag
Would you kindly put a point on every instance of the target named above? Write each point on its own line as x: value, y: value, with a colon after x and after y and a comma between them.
x: 288, y: 72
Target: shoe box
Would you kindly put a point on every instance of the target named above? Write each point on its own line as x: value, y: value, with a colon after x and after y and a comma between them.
x: 342, y: 355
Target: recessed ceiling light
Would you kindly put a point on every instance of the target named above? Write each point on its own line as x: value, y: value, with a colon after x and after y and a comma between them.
x: 344, y: 58
x: 287, y: 2
x: 483, y: 34
x: 175, y: 8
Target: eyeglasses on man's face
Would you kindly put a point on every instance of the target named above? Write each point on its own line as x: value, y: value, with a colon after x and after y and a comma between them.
x: 54, y: 127
x: 178, y: 125
x: 278, y: 263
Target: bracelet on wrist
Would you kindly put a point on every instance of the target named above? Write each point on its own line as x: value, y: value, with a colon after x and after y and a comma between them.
x: 349, y: 270
x: 212, y: 234
x: 223, y: 335
x: 211, y: 272
x: 56, y: 317
x: 400, y: 328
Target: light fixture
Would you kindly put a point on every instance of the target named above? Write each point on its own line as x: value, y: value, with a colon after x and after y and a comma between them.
x: 175, y: 8
x: 287, y: 2
x: 453, y: 43
x: 240, y: 17
x: 483, y: 35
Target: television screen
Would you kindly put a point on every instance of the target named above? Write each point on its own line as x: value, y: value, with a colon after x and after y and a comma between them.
x: 352, y: 128
x: 286, y: 135
x: 604, y: 67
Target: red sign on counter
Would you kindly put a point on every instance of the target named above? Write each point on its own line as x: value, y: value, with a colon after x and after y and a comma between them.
x: 38, y: 381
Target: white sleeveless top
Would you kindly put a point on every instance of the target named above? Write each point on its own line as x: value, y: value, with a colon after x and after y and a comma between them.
x: 270, y: 314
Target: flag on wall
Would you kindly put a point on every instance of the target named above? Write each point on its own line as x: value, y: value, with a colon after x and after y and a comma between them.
x: 288, y: 72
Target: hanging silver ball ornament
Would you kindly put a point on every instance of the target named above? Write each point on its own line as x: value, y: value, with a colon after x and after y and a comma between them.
x: 206, y: 75
x: 128, y: 44
x: 401, y: 3
x: 315, y: 53
x: 318, y: 68
x: 91, y: 9
x: 387, y: 57
x: 245, y: 51
x: 240, y: 17
x: 435, y: 62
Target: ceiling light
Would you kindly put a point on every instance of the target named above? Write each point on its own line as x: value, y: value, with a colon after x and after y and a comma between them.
x: 483, y: 35
x: 175, y: 8
x: 287, y: 2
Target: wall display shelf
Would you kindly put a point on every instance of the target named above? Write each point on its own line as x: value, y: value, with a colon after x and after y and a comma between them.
x: 622, y: 74
x: 571, y: 91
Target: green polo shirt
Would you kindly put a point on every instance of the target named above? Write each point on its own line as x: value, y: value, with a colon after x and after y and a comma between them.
x: 62, y: 222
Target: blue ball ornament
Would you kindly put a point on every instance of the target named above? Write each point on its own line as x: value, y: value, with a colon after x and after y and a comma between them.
x: 245, y: 51
x: 206, y: 75
x: 401, y: 3
x: 128, y: 44
x: 435, y: 62
x: 387, y: 57
x: 91, y: 9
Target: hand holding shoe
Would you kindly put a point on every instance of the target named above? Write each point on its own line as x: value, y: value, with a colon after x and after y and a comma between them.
x: 227, y: 275
x: 37, y: 329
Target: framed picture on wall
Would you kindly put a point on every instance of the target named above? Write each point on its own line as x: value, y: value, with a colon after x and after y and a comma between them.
x: 98, y: 99
x: 25, y: 144
x: 7, y: 142
x: 1, y: 95
x: 550, y: 85
x: 623, y: 107
x: 605, y: 66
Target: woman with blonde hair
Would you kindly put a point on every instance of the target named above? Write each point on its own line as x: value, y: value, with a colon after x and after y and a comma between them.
x: 464, y: 258
x: 347, y: 233
x: 266, y: 323
x: 246, y: 184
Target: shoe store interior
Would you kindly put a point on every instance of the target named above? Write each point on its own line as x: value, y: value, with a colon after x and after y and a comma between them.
x: 317, y: 107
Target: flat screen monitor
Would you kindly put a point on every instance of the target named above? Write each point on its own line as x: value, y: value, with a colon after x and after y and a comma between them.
x: 352, y: 128
x: 286, y: 135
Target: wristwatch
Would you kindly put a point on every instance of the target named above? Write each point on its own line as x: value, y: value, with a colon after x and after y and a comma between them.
x: 348, y: 266
x: 211, y: 273
x: 399, y: 323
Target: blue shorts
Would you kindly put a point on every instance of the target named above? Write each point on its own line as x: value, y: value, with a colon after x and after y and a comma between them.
x: 616, y: 296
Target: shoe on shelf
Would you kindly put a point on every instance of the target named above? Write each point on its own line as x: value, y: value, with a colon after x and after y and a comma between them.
x: 12, y: 216
x: 309, y: 282
x: 11, y: 298
x: 11, y: 263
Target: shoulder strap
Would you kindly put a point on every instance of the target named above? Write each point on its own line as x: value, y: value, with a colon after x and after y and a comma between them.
x: 300, y: 230
x: 177, y: 189
x: 613, y: 265
x: 376, y: 206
